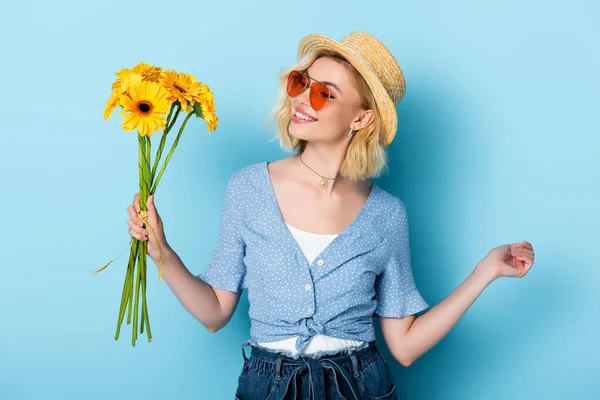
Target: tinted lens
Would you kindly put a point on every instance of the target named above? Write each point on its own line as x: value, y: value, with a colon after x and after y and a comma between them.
x: 319, y: 94
x: 296, y: 83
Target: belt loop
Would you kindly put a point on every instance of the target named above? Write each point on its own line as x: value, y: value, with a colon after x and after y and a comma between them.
x: 354, y: 365
x: 243, y: 353
x: 278, y: 368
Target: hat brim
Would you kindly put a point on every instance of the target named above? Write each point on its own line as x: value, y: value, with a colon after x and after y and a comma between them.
x: 384, y: 102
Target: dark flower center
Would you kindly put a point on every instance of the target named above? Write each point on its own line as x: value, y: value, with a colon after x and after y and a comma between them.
x: 145, y: 107
x: 181, y: 90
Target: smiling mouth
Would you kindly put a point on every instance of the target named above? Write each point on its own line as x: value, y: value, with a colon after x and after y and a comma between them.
x: 304, y: 117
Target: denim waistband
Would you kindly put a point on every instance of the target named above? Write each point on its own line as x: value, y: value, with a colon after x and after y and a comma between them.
x: 314, y: 367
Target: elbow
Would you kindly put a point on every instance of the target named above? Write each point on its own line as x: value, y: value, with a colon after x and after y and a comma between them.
x: 405, y: 362
x: 211, y: 328
x: 404, y: 359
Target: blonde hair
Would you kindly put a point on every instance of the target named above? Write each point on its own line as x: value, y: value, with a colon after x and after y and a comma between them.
x: 365, y: 157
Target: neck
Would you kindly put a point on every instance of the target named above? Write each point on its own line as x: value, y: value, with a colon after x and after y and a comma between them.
x: 326, y: 162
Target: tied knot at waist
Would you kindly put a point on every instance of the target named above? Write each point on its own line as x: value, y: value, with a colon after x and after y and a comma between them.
x: 312, y: 328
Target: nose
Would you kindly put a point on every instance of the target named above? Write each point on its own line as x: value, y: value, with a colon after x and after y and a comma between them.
x: 303, y: 98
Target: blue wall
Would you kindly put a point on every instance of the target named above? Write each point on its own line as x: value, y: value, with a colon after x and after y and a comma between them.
x: 497, y: 143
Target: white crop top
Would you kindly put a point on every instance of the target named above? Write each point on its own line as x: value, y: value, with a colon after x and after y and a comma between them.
x: 312, y: 244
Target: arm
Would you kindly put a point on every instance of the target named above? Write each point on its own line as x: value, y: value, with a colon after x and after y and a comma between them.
x: 212, y: 296
x: 410, y: 337
x: 212, y: 307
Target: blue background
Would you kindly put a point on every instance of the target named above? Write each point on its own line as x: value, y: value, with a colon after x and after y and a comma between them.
x: 497, y: 143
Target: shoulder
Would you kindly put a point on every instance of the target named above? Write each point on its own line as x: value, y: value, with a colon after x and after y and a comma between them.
x: 390, y: 217
x: 246, y: 175
x: 246, y: 184
x: 248, y: 171
x: 389, y: 205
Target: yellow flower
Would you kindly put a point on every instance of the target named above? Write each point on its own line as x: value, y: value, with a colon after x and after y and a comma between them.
x: 182, y: 87
x: 111, y: 103
x: 148, y: 72
x: 132, y: 79
x: 211, y: 120
x: 205, y: 108
x: 208, y: 109
x: 146, y: 102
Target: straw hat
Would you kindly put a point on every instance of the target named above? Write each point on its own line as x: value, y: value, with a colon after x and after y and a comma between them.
x: 377, y: 66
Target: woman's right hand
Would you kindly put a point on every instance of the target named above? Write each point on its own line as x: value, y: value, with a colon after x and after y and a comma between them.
x: 138, y: 231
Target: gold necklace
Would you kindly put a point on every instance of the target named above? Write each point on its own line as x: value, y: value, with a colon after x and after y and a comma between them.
x: 323, y: 182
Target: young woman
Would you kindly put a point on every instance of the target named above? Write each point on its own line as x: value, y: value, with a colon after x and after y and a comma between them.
x: 319, y: 247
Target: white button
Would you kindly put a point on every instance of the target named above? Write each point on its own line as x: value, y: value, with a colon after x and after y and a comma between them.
x: 320, y: 263
x: 307, y: 286
x: 309, y: 309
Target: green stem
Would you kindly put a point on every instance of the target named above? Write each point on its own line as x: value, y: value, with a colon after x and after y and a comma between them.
x: 174, y: 118
x: 163, y: 139
x: 147, y: 169
x: 147, y: 165
x: 143, y: 198
x: 130, y: 301
x: 170, y: 152
x: 143, y: 268
x: 126, y: 291
x: 145, y: 179
x: 145, y: 319
x: 143, y: 164
x: 137, y: 294
x: 170, y: 114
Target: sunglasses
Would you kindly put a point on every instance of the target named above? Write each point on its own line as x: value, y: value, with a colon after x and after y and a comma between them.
x: 319, y: 95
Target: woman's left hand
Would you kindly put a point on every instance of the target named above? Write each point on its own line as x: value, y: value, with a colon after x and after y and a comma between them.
x: 512, y: 260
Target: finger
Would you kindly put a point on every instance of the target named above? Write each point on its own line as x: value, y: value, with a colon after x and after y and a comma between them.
x: 136, y: 202
x: 528, y: 253
x: 514, y: 271
x: 152, y: 209
x: 522, y: 251
x: 514, y: 248
x: 137, y: 228
x: 527, y: 261
x: 518, y: 267
x: 137, y: 235
x: 133, y: 216
x: 150, y: 203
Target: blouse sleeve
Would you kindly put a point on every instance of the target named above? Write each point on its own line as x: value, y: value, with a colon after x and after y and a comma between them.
x: 227, y: 270
x: 396, y: 292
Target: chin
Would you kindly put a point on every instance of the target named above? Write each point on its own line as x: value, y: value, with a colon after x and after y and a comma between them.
x: 302, y: 132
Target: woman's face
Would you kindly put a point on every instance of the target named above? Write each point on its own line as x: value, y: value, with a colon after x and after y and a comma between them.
x: 332, y: 122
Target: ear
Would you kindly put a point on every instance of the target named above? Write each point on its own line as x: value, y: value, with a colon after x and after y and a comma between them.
x: 365, y: 118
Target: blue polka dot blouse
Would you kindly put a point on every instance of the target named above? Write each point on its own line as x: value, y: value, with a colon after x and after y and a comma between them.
x: 365, y: 270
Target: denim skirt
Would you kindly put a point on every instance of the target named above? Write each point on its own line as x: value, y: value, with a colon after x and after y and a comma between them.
x: 269, y: 375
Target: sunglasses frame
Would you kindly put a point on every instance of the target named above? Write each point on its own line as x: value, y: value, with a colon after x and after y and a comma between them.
x: 309, y: 85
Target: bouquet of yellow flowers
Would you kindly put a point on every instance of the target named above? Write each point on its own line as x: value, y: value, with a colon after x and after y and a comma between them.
x: 152, y: 99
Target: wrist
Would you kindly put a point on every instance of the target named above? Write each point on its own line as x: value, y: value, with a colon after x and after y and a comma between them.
x: 485, y: 272
x: 166, y: 253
